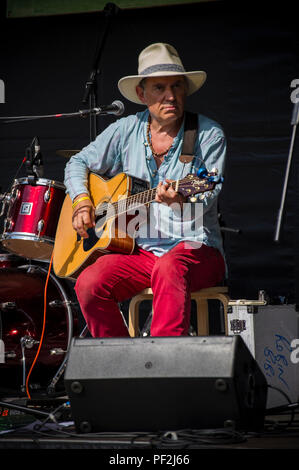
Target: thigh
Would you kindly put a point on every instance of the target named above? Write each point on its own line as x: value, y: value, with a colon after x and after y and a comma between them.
x: 201, y: 265
x: 121, y: 275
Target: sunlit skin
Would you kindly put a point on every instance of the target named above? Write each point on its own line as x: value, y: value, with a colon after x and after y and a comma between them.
x: 165, y: 99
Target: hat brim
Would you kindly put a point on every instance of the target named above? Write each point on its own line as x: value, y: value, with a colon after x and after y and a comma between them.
x: 127, y: 85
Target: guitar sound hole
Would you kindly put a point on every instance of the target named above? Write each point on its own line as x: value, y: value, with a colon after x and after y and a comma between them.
x: 100, y: 224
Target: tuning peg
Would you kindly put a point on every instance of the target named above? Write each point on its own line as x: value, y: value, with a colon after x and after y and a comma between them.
x: 192, y: 199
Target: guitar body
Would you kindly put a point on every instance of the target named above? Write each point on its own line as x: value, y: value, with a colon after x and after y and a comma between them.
x: 114, y: 200
x: 71, y: 255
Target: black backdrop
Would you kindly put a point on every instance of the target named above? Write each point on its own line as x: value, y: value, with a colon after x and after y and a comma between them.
x: 250, y: 56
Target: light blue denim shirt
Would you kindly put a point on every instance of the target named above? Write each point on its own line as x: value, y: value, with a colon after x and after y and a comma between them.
x: 123, y: 147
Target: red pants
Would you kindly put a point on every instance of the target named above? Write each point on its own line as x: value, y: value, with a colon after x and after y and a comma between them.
x: 114, y: 278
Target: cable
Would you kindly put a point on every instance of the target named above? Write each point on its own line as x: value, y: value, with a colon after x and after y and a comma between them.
x: 290, y: 407
x: 43, y: 328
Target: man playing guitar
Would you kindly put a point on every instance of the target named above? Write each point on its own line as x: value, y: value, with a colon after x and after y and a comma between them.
x: 179, y: 249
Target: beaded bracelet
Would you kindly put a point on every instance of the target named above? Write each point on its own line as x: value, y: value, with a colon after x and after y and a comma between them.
x: 79, y: 200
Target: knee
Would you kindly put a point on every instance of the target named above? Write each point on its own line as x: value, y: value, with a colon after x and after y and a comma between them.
x: 89, y: 284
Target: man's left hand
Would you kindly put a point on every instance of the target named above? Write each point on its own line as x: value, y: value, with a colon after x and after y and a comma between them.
x: 167, y: 195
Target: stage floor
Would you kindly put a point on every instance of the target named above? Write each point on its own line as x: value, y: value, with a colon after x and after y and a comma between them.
x: 56, y: 431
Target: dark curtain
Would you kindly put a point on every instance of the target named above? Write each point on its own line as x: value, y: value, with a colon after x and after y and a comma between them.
x: 250, y: 57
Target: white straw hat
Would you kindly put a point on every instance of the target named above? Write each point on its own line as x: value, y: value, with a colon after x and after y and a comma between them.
x: 159, y: 60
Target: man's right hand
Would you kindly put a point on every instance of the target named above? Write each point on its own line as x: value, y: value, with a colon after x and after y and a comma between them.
x: 83, y: 215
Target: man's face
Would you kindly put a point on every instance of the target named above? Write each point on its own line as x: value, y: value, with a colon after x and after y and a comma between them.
x: 164, y: 96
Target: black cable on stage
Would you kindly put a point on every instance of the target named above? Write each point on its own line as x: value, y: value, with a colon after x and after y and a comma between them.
x: 280, y: 409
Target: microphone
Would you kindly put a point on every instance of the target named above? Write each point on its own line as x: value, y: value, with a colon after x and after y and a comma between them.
x: 117, y: 108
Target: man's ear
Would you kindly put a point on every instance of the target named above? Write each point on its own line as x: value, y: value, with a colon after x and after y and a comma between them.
x: 140, y: 93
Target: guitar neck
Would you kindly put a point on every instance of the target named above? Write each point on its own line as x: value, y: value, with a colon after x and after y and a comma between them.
x: 136, y: 200
x: 188, y: 186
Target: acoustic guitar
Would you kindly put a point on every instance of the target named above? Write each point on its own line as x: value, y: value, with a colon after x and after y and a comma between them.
x: 113, y: 199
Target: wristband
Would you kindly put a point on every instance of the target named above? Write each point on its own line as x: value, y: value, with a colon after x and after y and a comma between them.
x: 79, y: 200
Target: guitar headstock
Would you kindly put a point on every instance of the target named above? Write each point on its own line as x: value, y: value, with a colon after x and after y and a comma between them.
x: 193, y: 184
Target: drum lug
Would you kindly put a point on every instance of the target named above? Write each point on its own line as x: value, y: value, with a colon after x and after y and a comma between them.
x: 47, y: 196
x: 8, y: 225
x: 40, y: 226
x: 15, y: 194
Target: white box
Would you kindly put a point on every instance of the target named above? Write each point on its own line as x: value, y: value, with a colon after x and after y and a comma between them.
x: 268, y: 331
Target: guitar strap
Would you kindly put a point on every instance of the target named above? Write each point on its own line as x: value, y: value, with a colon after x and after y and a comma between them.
x: 190, y: 133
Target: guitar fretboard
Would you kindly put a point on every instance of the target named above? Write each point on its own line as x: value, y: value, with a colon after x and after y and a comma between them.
x: 133, y: 202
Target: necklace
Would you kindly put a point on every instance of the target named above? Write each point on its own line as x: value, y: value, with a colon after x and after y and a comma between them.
x: 149, y: 141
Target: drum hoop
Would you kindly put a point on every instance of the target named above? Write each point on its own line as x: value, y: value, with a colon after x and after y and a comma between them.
x: 39, y: 182
x: 25, y: 236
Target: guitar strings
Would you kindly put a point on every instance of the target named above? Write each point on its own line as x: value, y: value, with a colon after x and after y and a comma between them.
x: 123, y: 205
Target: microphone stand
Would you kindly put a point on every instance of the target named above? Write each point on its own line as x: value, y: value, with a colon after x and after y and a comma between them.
x: 91, y: 89
x: 103, y: 111
x: 294, y: 122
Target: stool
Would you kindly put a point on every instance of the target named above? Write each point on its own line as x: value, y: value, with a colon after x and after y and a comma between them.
x: 201, y: 298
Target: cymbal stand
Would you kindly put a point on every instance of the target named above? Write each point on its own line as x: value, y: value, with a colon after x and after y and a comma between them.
x: 294, y: 122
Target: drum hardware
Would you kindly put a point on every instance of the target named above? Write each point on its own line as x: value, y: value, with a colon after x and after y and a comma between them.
x: 57, y: 351
x: 58, y: 375
x: 5, y: 200
x: 65, y: 302
x: 40, y: 227
x: 47, y: 196
x: 10, y: 355
x: 30, y: 268
x: 22, y: 297
x: 84, y: 332
x: 8, y: 306
x: 60, y: 372
x: 27, y: 342
x: 9, y: 260
x: 8, y: 225
x: 58, y: 303
x: 31, y: 213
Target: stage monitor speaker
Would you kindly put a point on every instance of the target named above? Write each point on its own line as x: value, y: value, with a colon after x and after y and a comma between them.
x: 156, y: 384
